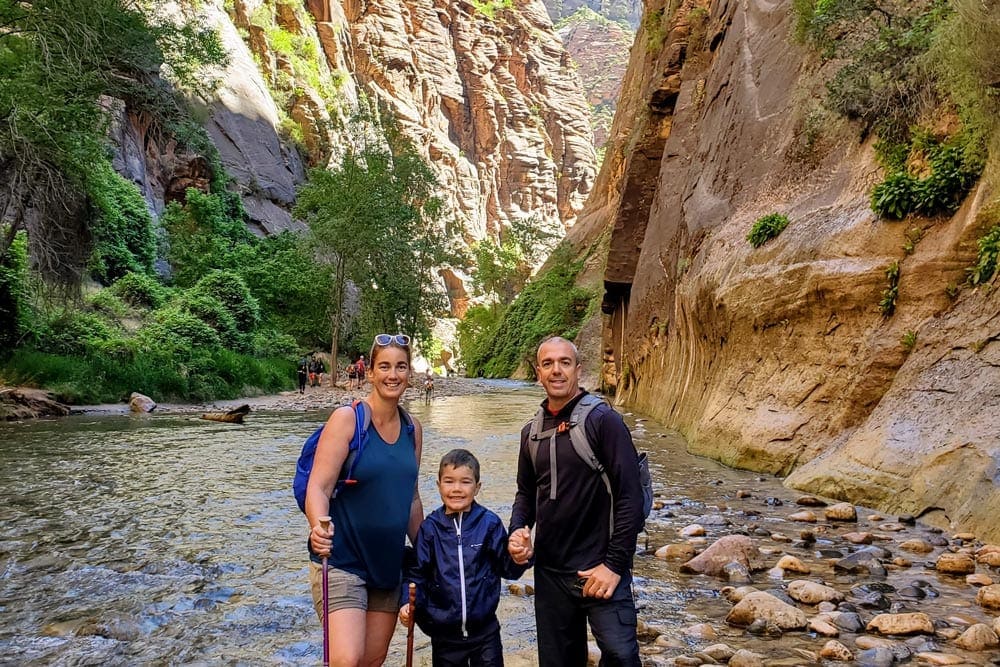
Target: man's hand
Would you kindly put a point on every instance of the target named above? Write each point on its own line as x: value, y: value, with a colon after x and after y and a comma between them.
x: 404, y: 615
x: 601, y: 582
x: 519, y: 546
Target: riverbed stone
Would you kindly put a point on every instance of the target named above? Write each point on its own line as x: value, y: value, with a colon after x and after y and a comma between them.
x: 996, y: 625
x: 990, y: 558
x: 875, y: 657
x: 746, y: 658
x: 891, y: 527
x: 809, y: 501
x: 849, y: 621
x: 964, y: 537
x: 822, y: 626
x: 804, y: 516
x: 841, y: 512
x: 761, y: 605
x: 140, y: 402
x: 810, y: 592
x: 780, y: 537
x: 676, y: 552
x: 834, y: 650
x: 937, y: 658
x: 719, y: 652
x: 989, y: 596
x: 957, y: 563
x: 790, y: 563
x: 978, y: 637
x: 693, y: 530
x: 728, y: 549
x: 901, y: 624
x: 736, y: 573
x: 858, y: 538
x: 700, y: 631
x: 736, y: 593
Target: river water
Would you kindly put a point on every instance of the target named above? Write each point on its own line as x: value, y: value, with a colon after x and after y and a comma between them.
x: 167, y: 539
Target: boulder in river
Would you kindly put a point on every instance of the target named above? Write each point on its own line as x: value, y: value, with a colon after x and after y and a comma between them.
x: 841, y: 512
x: 835, y: 651
x: 957, y: 563
x: 729, y: 549
x: 989, y: 596
x: 978, y: 637
x: 901, y: 624
x: 761, y: 605
x: 140, y: 403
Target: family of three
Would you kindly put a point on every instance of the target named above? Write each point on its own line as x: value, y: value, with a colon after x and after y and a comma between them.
x: 584, y: 529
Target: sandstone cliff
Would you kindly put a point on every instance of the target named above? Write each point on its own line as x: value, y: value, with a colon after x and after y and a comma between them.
x: 778, y: 358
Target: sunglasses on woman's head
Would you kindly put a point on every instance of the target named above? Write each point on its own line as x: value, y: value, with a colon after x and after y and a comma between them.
x: 387, y: 339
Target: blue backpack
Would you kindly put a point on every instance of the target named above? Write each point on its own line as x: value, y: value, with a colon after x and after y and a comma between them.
x: 362, y: 421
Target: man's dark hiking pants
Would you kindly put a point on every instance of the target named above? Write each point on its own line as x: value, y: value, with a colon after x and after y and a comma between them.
x: 483, y: 651
x: 561, y: 616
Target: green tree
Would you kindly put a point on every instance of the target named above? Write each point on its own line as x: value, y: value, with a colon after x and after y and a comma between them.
x: 375, y: 218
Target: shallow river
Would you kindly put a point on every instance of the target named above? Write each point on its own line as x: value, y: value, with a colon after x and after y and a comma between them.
x: 167, y: 539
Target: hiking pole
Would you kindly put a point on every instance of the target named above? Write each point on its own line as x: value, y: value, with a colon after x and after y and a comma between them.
x: 324, y: 522
x: 409, y: 630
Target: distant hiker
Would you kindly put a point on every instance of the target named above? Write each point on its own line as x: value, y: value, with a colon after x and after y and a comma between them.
x: 315, y: 370
x: 302, y: 371
x: 362, y: 370
x: 428, y: 385
x: 585, y: 524
x: 461, y: 555
x: 372, y: 513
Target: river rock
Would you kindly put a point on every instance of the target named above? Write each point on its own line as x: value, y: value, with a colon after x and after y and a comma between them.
x: 729, y: 549
x: 746, y: 658
x: 979, y: 637
x: 780, y: 537
x: 841, y: 512
x: 761, y: 605
x: 978, y: 579
x: 991, y: 558
x: 673, y: 552
x: 834, y: 650
x: 989, y: 596
x: 140, y: 403
x: 804, y: 515
x: 996, y: 625
x: 694, y: 530
x: 858, y: 538
x: 810, y: 592
x: 959, y: 563
x: 700, y: 631
x: 849, y: 621
x: 901, y: 624
x: 790, y: 563
x: 719, y: 652
x: 935, y: 658
x: 17, y: 403
x: 735, y: 594
x: 809, y: 501
x: 875, y: 657
x: 822, y: 626
x: 892, y: 527
x: 736, y: 573
x: 712, y: 520
x: 964, y: 537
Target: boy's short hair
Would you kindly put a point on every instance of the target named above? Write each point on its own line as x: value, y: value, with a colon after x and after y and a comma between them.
x: 457, y: 458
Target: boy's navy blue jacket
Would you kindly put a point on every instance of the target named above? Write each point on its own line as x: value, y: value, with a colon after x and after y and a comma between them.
x: 458, y: 565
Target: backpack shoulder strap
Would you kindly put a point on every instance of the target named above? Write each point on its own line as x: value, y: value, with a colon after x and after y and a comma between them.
x: 404, y: 418
x: 362, y: 420
x: 578, y: 432
x: 535, y: 434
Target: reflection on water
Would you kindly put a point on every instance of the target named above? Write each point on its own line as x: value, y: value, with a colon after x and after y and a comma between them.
x: 168, y: 539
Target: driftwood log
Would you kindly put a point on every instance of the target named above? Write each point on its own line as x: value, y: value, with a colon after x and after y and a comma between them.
x: 234, y: 416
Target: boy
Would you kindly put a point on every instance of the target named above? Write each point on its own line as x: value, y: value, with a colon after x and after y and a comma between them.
x: 461, y: 554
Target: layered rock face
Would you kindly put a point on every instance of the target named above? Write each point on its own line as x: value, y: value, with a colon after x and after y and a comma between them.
x: 778, y: 358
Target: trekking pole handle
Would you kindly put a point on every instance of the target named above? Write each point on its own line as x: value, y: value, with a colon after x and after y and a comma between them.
x: 324, y: 523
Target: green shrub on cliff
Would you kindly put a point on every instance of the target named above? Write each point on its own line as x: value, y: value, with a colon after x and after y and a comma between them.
x: 122, y: 228
x: 986, y: 260
x: 766, y: 228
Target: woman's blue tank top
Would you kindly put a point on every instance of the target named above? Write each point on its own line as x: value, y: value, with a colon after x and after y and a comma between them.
x: 371, y: 516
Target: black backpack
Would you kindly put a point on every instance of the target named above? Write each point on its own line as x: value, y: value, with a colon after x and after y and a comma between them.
x: 581, y: 445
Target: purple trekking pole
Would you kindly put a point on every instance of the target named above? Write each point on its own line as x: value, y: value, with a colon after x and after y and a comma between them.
x: 324, y: 522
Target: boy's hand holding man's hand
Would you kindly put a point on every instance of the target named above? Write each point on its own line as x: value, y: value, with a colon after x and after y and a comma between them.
x: 519, y: 546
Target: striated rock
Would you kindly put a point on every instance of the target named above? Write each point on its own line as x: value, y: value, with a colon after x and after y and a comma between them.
x: 989, y: 596
x: 978, y: 637
x: 955, y: 563
x: 140, y: 403
x: 810, y: 592
x: 761, y: 605
x: 729, y: 549
x: 834, y: 650
x: 841, y: 512
x: 901, y: 624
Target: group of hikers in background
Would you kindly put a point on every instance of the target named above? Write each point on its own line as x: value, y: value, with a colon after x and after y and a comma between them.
x: 576, y: 528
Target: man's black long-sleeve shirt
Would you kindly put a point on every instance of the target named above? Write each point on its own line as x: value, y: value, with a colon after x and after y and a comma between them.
x: 572, y: 531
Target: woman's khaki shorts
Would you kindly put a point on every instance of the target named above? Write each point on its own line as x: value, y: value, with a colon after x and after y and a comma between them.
x: 349, y: 591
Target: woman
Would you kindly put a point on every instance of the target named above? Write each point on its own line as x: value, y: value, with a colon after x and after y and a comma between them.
x: 370, y: 517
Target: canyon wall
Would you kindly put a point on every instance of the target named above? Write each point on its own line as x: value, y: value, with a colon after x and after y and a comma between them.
x: 778, y: 358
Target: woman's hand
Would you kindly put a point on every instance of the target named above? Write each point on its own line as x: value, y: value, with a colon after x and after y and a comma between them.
x: 321, y: 540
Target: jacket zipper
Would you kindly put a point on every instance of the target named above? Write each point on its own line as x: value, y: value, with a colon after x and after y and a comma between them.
x: 461, y: 570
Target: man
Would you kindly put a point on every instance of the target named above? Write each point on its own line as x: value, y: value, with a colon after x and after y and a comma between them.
x: 583, y: 558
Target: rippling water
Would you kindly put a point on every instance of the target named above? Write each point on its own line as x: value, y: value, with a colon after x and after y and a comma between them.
x: 168, y: 539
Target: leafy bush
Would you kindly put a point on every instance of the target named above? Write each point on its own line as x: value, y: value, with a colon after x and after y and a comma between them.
x: 887, y: 304
x: 986, y: 261
x: 895, y: 197
x: 13, y: 290
x: 107, y: 302
x: 122, y: 228
x: 203, y: 233
x: 74, y: 332
x: 766, y: 228
x: 178, y: 331
x: 270, y: 343
x: 232, y: 291
x: 139, y: 290
x: 212, y: 312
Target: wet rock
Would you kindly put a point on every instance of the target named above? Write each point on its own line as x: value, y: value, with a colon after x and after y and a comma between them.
x: 700, y: 631
x: 719, y: 652
x: 728, y: 549
x: 761, y: 605
x: 937, y: 541
x: 835, y: 651
x: 736, y: 573
x: 979, y: 637
x: 849, y: 621
x: 858, y: 538
x: 901, y: 562
x: 712, y: 520
x: 676, y: 552
x: 780, y: 537
x: 773, y: 502
x: 830, y: 553
x: 912, y: 592
x: 140, y: 403
x: 687, y: 661
x: 807, y: 536
x: 734, y: 594
x: 809, y: 501
x: 746, y: 658
x: 764, y: 628
x: 989, y: 596
x: 826, y: 607
x: 823, y: 627
x: 863, y: 559
x: 948, y: 633
x: 934, y: 658
x: 964, y: 537
x: 996, y: 625
x: 742, y: 493
x: 892, y: 527
x: 901, y: 624
x: 841, y: 512
x: 792, y: 564
x: 694, y: 530
x: 810, y: 592
x: 991, y: 558
x: 958, y: 564
x: 804, y: 515
x: 875, y: 657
